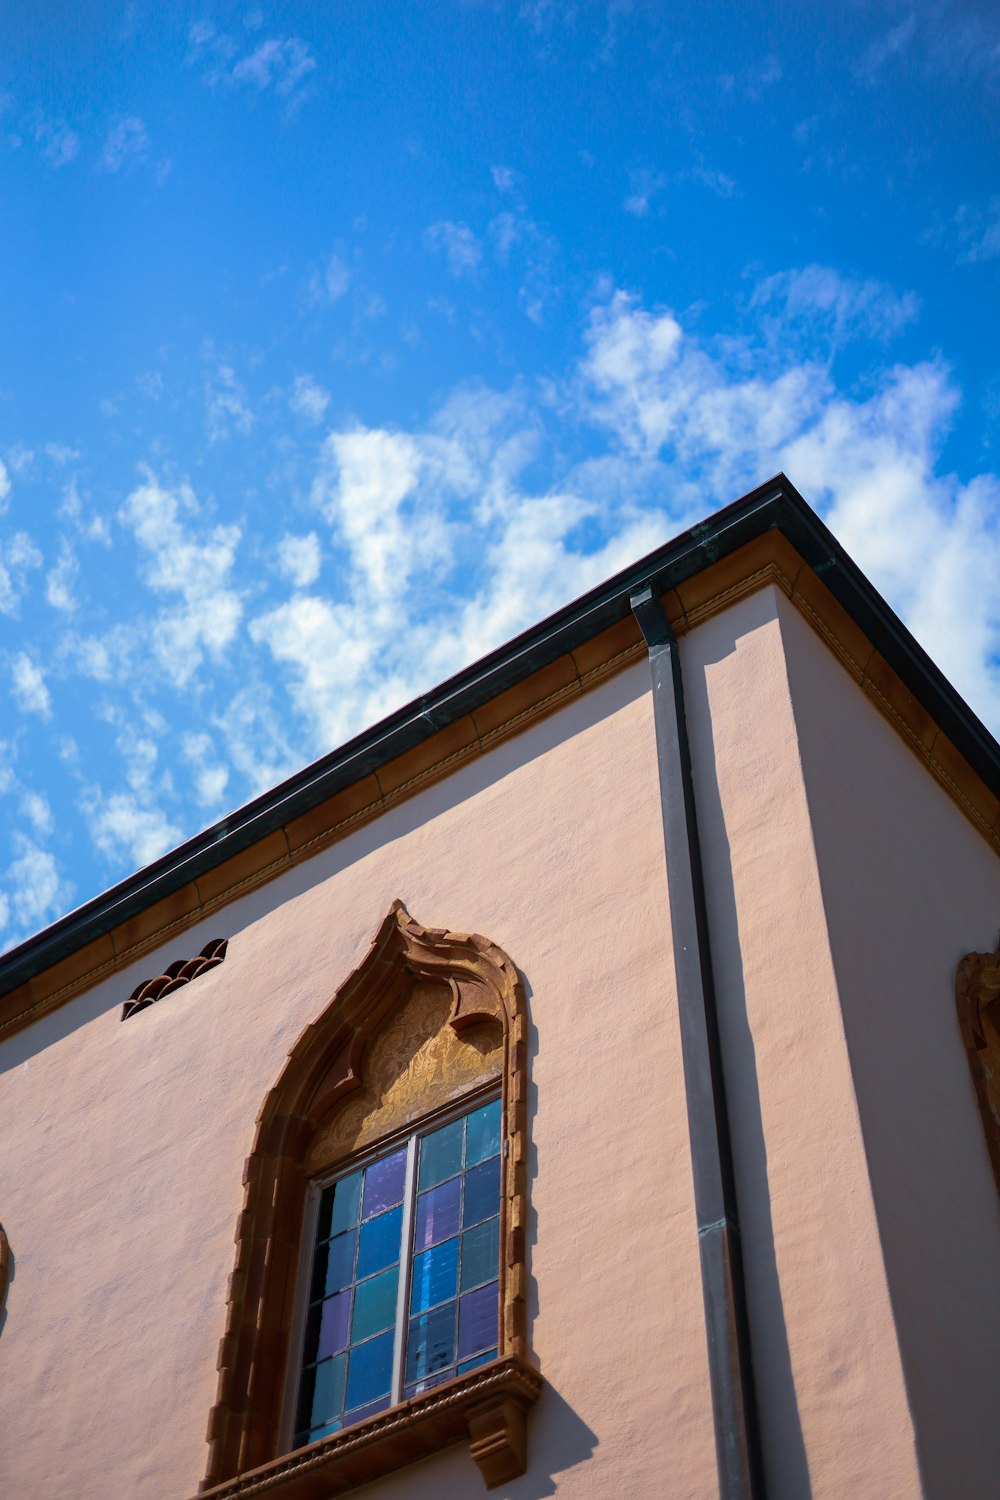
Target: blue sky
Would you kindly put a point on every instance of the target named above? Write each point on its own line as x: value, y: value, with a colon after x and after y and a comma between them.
x: 341, y: 342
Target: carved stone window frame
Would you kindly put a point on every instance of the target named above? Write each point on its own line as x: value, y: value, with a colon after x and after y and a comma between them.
x: 977, y: 996
x: 318, y: 1108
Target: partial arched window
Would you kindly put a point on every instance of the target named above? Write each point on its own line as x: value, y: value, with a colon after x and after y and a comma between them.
x: 377, y: 1307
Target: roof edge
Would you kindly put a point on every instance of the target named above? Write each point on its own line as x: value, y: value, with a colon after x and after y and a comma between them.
x: 774, y: 505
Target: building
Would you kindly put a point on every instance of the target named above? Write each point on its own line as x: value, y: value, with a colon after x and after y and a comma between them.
x: 597, y: 1011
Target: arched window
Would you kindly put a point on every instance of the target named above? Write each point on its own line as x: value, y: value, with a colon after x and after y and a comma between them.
x: 377, y: 1306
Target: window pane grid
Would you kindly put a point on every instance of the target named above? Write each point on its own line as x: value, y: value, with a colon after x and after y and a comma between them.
x: 404, y: 1289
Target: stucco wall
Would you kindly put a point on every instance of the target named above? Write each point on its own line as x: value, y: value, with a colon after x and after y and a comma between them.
x: 909, y: 887
x: 833, y: 1403
x: 123, y: 1144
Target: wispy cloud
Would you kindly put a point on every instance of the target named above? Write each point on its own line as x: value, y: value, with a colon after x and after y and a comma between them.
x: 457, y: 243
x: 644, y: 186
x: 58, y: 143
x: 192, y: 571
x: 308, y: 399
x: 227, y: 408
x: 281, y: 64
x: 886, y: 49
x: 126, y: 145
x: 329, y: 285
x: 298, y: 559
x: 29, y: 687
x: 828, y: 306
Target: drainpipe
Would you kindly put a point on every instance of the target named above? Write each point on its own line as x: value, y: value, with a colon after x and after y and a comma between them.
x: 737, y: 1439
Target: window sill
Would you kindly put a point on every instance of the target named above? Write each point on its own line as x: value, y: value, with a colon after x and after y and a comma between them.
x: 488, y: 1406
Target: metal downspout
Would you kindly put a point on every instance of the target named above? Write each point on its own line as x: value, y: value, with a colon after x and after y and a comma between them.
x: 737, y: 1442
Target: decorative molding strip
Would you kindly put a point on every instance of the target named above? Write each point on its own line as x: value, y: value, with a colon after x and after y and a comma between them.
x: 148, y: 991
x: 488, y: 1406
x: 977, y: 995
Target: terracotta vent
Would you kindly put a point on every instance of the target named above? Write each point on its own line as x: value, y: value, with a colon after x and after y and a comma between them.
x: 181, y: 972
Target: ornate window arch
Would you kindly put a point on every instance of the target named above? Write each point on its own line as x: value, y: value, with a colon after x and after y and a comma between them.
x: 429, y: 1017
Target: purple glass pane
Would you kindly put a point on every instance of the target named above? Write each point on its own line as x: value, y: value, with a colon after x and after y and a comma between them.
x: 333, y: 1325
x: 438, y: 1213
x: 384, y: 1184
x: 364, y: 1412
x: 477, y: 1320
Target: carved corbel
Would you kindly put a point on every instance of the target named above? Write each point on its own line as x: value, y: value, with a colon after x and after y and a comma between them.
x: 497, y: 1432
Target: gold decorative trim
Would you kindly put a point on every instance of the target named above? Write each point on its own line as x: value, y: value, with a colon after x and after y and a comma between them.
x: 465, y: 985
x: 977, y: 996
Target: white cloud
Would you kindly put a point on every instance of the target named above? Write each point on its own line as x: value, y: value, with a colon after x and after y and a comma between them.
x: 126, y: 145
x: 299, y: 559
x: 62, y: 454
x: 308, y: 399
x: 194, y: 571
x: 504, y: 179
x: 60, y: 145
x: 59, y: 580
x: 17, y: 557
x: 29, y: 686
x: 822, y: 300
x: 226, y: 406
x: 36, y: 809
x: 328, y: 286
x: 4, y: 485
x: 125, y: 828
x: 449, y: 549
x: 279, y: 64
x: 458, y: 245
x: 36, y: 892
x: 210, y: 776
x: 644, y: 186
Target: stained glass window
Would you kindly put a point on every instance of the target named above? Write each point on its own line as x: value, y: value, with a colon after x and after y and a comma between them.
x: 404, y: 1281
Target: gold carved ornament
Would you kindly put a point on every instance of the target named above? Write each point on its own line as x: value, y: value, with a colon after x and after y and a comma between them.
x: 428, y: 1017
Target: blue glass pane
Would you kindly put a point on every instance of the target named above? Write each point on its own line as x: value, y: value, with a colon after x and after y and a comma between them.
x: 379, y: 1245
x: 338, y: 1207
x: 483, y: 1133
x: 374, y: 1305
x: 480, y: 1254
x: 384, y: 1183
x: 435, y: 1276
x: 319, y: 1432
x: 441, y: 1154
x: 420, y: 1386
x: 431, y: 1343
x: 438, y: 1214
x: 334, y: 1265
x: 477, y: 1320
x: 322, y: 1394
x: 371, y: 1410
x: 476, y: 1360
x: 482, y: 1192
x: 370, y: 1371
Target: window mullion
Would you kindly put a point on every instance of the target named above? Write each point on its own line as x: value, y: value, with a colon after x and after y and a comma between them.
x: 405, y: 1262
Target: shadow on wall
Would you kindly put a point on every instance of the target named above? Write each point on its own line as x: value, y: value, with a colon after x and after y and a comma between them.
x: 557, y: 1440
x: 786, y: 1468
x: 6, y: 1274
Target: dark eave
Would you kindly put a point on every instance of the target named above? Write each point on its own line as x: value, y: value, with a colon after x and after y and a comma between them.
x: 775, y: 505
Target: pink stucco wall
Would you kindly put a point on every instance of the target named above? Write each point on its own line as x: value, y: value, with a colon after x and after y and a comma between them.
x: 833, y: 1402
x: 124, y: 1143
x: 843, y: 886
x: 909, y: 887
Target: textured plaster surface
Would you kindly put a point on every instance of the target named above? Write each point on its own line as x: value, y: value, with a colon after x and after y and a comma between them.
x: 833, y: 1401
x: 909, y: 888
x: 124, y: 1142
